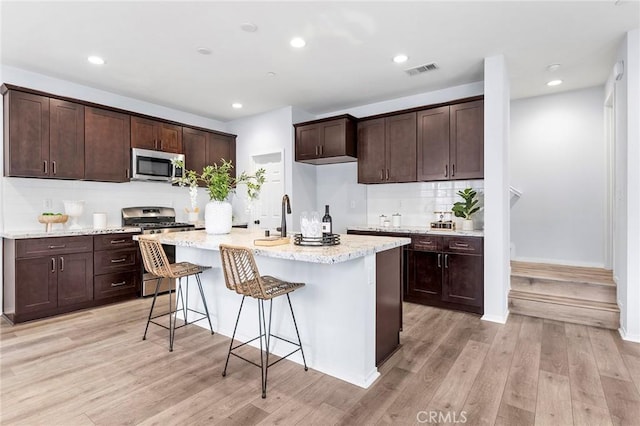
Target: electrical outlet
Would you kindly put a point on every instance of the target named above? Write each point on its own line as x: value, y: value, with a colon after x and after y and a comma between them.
x: 47, y: 204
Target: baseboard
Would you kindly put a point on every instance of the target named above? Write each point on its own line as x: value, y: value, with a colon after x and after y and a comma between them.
x: 500, y: 319
x: 628, y: 337
x: 559, y: 262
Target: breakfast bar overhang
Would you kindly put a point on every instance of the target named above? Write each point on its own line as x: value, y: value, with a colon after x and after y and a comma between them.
x: 349, y: 314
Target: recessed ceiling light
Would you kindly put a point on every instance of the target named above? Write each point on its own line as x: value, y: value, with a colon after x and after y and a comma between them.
x: 398, y: 59
x: 554, y: 83
x: 249, y: 27
x: 203, y: 50
x: 553, y: 67
x: 271, y: 74
x: 297, y: 42
x: 236, y: 105
x: 95, y: 60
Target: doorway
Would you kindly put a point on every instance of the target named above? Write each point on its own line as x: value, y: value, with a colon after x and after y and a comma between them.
x: 267, y: 207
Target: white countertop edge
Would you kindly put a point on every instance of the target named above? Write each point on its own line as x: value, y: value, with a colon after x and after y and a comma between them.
x: 19, y: 235
x: 416, y: 230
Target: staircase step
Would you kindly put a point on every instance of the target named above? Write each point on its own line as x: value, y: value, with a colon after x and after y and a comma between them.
x: 576, y: 274
x: 570, y: 289
x: 572, y: 310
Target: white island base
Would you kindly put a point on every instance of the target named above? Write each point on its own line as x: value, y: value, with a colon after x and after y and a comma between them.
x: 335, y: 310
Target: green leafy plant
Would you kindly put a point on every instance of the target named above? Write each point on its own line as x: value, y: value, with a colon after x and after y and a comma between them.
x: 219, y: 181
x: 469, y: 206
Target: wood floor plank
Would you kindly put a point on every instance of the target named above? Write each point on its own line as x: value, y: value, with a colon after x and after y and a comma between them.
x: 554, y: 400
x: 509, y: 415
x: 553, y: 355
x: 248, y: 414
x: 586, y: 386
x: 623, y: 401
x: 633, y: 366
x: 483, y: 402
x: 607, y: 357
x: 521, y: 389
x: 589, y: 415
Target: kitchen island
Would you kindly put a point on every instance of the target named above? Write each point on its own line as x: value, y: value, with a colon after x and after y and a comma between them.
x: 349, y: 313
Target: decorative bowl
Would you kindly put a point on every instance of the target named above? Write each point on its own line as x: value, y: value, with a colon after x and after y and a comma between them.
x: 50, y: 219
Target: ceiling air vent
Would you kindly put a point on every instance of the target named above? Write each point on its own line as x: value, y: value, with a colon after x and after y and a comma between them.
x: 421, y: 69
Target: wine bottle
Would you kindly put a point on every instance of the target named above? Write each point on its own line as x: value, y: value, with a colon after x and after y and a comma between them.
x: 326, y: 222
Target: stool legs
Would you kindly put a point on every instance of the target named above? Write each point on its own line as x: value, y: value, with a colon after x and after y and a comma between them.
x: 155, y: 296
x: 295, y: 324
x: 204, y: 301
x: 233, y: 336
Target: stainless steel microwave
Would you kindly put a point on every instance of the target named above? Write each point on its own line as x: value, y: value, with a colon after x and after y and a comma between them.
x: 154, y: 165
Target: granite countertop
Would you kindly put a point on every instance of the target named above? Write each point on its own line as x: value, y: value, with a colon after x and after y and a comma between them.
x: 18, y: 235
x: 415, y: 230
x: 350, y: 247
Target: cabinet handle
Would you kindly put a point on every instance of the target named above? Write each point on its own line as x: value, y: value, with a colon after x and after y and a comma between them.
x: 316, y: 150
x: 457, y: 244
x: 453, y: 170
x: 57, y: 247
x: 381, y: 174
x: 321, y: 149
x: 159, y: 144
x: 439, y: 260
x: 446, y: 260
x: 61, y: 264
x: 46, y: 168
x: 53, y: 264
x: 446, y: 170
x: 124, y: 259
x: 53, y: 167
x: 126, y: 173
x: 121, y: 283
x: 118, y: 241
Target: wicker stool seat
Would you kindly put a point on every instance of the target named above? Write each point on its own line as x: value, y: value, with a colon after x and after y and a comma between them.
x: 156, y: 262
x: 242, y: 276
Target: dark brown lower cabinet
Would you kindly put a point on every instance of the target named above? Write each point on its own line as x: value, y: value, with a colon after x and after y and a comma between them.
x: 388, y: 302
x: 424, y: 280
x: 49, y: 276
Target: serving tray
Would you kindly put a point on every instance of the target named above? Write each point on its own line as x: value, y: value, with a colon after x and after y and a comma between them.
x: 325, y: 240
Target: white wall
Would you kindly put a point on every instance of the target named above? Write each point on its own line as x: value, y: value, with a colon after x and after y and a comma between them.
x: 627, y: 189
x: 496, y: 189
x: 338, y: 187
x: 558, y: 161
x: 23, y: 198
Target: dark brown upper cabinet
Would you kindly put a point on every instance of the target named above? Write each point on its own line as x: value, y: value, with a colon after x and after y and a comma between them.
x: 326, y: 141
x: 451, y: 142
x: 43, y: 137
x: 387, y: 149
x: 202, y: 148
x: 107, y: 155
x: 155, y: 135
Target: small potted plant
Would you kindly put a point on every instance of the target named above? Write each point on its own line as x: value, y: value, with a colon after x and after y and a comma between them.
x: 220, y: 183
x: 467, y: 208
x: 190, y: 178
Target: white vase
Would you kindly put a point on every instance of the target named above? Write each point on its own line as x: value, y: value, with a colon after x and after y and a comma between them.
x: 217, y: 217
x: 467, y: 225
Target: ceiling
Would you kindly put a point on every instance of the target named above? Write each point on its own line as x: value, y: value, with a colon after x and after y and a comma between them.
x: 150, y: 48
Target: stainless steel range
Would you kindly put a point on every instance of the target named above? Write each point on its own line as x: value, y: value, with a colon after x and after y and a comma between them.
x: 155, y: 220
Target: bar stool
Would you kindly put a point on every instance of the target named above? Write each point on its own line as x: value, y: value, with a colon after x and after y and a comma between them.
x: 241, y: 275
x: 156, y: 262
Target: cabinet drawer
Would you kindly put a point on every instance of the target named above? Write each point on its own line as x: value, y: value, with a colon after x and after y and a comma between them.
x: 34, y: 247
x: 467, y: 245
x: 116, y: 284
x: 109, y: 261
x: 426, y: 243
x: 113, y: 241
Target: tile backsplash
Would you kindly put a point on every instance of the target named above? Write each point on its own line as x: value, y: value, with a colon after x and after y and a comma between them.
x: 417, y: 201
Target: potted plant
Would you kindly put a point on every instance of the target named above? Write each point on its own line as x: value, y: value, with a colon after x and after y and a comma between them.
x: 467, y: 208
x: 190, y: 178
x: 220, y: 184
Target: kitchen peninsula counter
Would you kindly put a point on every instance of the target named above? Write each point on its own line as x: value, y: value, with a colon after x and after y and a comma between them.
x: 349, y: 313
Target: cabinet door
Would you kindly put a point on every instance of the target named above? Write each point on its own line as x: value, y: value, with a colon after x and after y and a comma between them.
x: 221, y: 147
x: 27, y: 135
x: 143, y: 133
x: 463, y: 279
x: 424, y: 281
x: 388, y: 302
x: 107, y: 147
x: 75, y: 278
x: 169, y: 138
x: 433, y: 144
x: 371, y: 151
x: 401, y: 148
x: 467, y: 140
x: 334, y: 138
x: 36, y: 284
x: 66, y: 140
x: 195, y: 148
x: 307, y: 142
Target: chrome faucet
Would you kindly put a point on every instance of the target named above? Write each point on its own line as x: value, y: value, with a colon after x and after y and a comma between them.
x: 283, y: 225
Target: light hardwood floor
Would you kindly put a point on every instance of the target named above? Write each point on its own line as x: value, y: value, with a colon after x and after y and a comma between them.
x: 92, y: 367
